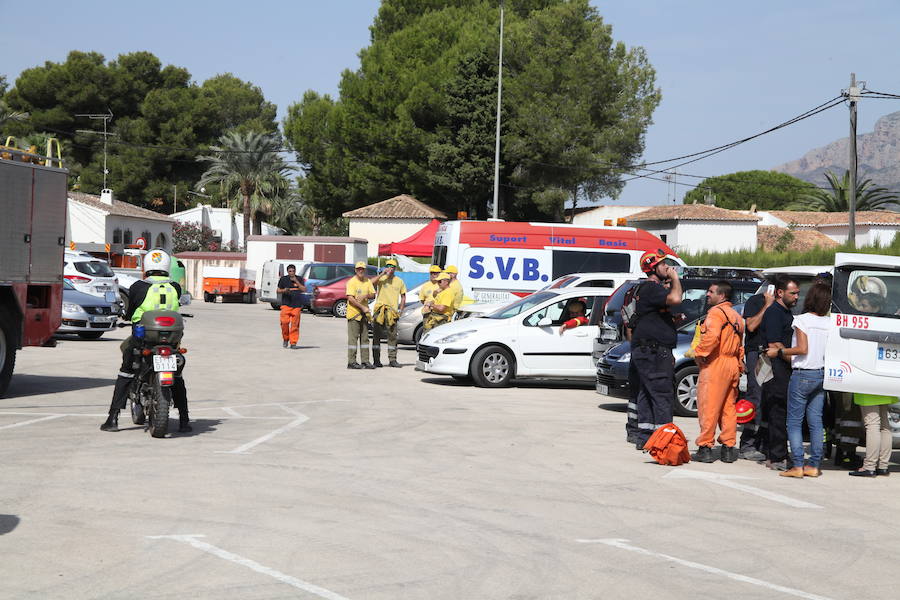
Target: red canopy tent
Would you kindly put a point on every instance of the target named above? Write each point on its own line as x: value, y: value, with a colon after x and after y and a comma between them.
x: 421, y: 243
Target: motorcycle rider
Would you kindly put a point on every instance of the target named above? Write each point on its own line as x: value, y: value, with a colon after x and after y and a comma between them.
x: 155, y: 292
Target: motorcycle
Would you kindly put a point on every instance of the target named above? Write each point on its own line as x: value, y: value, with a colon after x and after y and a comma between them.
x: 156, y: 358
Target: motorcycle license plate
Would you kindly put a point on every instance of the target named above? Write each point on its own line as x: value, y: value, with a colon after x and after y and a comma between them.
x: 164, y: 363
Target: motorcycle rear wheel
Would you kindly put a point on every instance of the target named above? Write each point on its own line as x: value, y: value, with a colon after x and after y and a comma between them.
x: 160, y: 400
x: 137, y: 412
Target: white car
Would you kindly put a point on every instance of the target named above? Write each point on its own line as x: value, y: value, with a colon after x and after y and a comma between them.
x: 90, y: 275
x: 520, y: 340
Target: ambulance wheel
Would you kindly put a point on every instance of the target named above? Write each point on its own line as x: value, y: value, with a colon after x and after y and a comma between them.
x: 7, y: 350
x: 207, y: 297
x: 686, y: 391
x: 492, y: 366
x: 275, y: 305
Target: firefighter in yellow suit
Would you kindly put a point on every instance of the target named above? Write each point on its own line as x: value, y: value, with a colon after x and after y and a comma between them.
x: 428, y: 289
x: 439, y: 310
x: 455, y: 285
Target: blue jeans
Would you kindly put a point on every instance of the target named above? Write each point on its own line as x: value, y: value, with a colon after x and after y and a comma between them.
x: 806, y: 396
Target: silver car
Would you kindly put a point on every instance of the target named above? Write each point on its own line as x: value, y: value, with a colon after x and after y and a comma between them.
x: 86, y: 315
x: 409, y: 327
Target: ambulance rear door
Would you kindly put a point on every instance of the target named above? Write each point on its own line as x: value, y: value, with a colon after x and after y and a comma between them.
x: 863, y: 351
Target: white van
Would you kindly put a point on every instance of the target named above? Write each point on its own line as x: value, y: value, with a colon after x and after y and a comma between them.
x: 863, y: 351
x: 272, y: 271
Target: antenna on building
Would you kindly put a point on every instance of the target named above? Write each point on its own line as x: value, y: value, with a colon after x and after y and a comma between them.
x: 106, y: 118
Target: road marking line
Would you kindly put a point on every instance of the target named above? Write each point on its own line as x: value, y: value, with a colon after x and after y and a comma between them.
x: 94, y: 415
x: 728, y: 481
x: 267, y: 404
x: 289, y: 411
x: 232, y: 412
x: 22, y: 423
x: 251, y: 564
x: 624, y: 545
x: 243, y: 449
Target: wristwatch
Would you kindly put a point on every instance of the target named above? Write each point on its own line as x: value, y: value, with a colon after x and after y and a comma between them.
x: 781, y: 353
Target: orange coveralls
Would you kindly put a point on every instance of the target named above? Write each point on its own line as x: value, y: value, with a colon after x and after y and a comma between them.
x: 717, y: 387
x: 290, y: 324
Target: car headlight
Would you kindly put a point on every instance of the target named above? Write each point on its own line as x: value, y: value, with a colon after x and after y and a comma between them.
x: 625, y: 357
x: 71, y: 307
x: 455, y: 337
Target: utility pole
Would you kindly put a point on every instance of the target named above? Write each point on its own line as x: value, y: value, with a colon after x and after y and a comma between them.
x: 106, y: 118
x: 497, y: 140
x: 853, y: 94
x: 175, y: 200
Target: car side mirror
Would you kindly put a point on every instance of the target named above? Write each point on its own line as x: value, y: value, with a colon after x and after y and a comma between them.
x: 545, y: 322
x: 184, y: 300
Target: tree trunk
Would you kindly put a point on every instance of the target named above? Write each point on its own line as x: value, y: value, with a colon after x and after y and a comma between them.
x: 574, y: 203
x: 246, y: 219
x: 257, y: 223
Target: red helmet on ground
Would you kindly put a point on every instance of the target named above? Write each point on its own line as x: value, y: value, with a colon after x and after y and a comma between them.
x: 745, y: 410
x: 649, y: 260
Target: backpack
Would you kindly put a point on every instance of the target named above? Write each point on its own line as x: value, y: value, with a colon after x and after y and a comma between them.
x: 668, y: 446
x: 629, y: 307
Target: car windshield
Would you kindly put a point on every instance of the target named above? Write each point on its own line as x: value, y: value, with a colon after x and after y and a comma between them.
x: 526, y: 303
x: 94, y: 268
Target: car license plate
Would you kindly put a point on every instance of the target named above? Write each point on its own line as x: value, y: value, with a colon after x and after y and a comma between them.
x: 164, y: 363
x: 603, y: 389
x: 889, y: 353
x: 102, y: 319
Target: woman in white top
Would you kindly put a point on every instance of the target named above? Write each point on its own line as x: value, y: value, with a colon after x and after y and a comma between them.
x: 805, y: 391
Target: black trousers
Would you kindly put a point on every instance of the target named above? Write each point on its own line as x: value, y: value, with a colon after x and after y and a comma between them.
x: 126, y: 374
x: 652, y: 376
x: 775, y: 394
x: 755, y: 434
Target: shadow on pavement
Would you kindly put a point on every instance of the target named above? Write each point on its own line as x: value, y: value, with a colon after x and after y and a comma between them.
x: 618, y: 407
x: 32, y: 385
x: 200, y: 426
x: 525, y: 383
x: 305, y: 348
x: 8, y: 523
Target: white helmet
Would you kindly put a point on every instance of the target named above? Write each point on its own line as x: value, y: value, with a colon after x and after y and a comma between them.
x: 157, y: 260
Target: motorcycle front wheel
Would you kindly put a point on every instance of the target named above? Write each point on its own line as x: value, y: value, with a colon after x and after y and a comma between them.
x: 160, y: 400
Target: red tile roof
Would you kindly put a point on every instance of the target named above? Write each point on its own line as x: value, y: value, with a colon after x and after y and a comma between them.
x: 398, y: 207
x: 690, y: 212
x: 819, y: 219
x: 118, y: 208
x: 768, y: 236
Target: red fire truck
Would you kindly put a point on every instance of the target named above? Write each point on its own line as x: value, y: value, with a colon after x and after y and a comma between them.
x: 32, y: 238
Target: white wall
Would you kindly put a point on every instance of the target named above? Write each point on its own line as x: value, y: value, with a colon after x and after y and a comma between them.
x: 665, y: 230
x: 697, y: 236
x: 384, y: 231
x: 138, y: 226
x: 596, y: 216
x: 85, y: 224
x: 222, y: 219
x: 884, y: 234
x: 259, y: 251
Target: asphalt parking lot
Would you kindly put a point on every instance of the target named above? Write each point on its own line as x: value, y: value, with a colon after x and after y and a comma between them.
x: 302, y: 479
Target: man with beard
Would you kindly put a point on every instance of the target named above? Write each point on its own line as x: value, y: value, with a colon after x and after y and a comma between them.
x: 776, y: 334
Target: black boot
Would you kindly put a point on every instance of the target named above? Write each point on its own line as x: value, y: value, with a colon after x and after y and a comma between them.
x: 112, y: 422
x: 184, y: 424
x: 376, y: 354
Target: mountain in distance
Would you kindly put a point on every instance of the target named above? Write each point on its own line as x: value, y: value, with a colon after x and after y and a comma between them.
x: 878, y: 152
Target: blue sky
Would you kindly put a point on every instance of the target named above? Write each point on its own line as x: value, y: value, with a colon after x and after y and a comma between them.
x: 726, y: 69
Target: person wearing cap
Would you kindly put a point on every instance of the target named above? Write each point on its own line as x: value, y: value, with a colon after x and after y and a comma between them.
x: 291, y: 289
x: 390, y: 299
x: 439, y: 309
x: 651, y: 370
x: 455, y: 285
x: 428, y: 289
x: 359, y: 292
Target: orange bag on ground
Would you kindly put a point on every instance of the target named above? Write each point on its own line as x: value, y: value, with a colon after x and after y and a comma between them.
x: 668, y: 446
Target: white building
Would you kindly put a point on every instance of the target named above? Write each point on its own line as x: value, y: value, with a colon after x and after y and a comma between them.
x: 600, y: 216
x: 391, y: 220
x: 94, y: 221
x: 695, y: 228
x: 227, y: 226
x: 261, y: 248
x: 871, y: 225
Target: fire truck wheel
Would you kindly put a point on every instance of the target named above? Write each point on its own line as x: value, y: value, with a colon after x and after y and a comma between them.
x: 7, y: 350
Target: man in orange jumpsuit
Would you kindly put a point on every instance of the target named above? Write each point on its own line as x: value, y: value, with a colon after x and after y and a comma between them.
x: 720, y: 355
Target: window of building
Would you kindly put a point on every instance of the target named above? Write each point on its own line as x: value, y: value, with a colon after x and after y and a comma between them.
x: 148, y: 237
x: 128, y: 238
x: 161, y: 240
x: 663, y: 236
x: 117, y: 236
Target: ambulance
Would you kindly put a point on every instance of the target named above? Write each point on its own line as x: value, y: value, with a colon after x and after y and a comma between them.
x: 499, y: 261
x: 862, y: 354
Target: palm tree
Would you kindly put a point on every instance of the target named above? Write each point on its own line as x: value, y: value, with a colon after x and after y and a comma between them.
x: 249, y: 170
x: 8, y: 115
x: 868, y: 196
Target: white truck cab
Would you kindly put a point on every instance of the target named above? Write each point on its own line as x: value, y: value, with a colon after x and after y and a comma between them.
x: 863, y: 351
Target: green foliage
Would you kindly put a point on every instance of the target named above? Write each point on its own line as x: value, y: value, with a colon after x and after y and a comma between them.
x: 868, y: 196
x: 194, y: 237
x: 249, y: 172
x: 768, y: 190
x: 784, y: 257
x: 152, y: 106
x: 418, y: 116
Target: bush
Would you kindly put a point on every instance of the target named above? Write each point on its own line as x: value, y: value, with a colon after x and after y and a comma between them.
x: 785, y: 258
x: 194, y: 237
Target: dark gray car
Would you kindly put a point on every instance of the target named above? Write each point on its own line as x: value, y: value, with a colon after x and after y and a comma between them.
x: 86, y: 315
